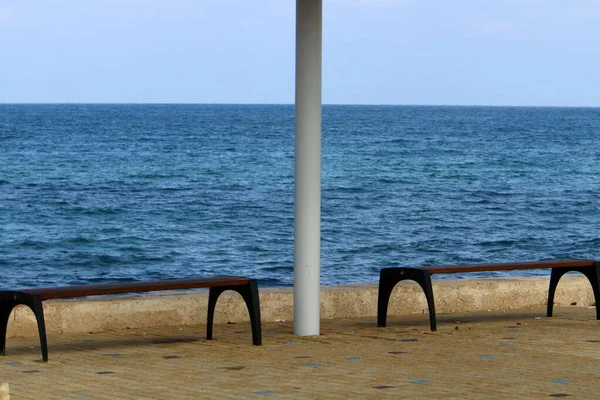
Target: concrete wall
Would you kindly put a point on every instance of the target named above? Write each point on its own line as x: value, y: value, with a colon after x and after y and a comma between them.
x: 189, y: 308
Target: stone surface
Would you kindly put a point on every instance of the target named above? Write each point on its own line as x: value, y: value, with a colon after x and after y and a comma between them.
x: 515, y: 354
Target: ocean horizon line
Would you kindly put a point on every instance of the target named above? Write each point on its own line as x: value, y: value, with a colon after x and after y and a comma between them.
x: 524, y: 106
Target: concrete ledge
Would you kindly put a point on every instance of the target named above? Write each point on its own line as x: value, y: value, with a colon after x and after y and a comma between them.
x: 351, y: 301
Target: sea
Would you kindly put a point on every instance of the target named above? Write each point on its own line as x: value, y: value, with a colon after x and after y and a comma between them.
x: 95, y: 193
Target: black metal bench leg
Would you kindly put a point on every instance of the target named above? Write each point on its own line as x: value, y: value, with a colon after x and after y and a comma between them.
x: 6, y: 307
x: 593, y: 275
x: 38, y: 311
x: 387, y: 282
x: 250, y: 295
x: 596, y: 288
x: 428, y: 289
x: 10, y: 300
x: 555, y: 276
x: 213, y: 295
x: 390, y: 277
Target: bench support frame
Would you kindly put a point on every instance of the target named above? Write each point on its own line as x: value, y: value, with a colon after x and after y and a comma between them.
x: 10, y: 299
x: 390, y: 277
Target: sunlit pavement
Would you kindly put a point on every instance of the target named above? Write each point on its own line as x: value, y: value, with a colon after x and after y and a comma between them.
x: 517, y: 354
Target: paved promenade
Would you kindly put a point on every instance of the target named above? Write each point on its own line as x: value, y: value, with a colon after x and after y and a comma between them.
x: 513, y: 355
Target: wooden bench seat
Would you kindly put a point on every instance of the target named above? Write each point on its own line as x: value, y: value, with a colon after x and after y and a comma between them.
x: 389, y: 277
x: 33, y: 298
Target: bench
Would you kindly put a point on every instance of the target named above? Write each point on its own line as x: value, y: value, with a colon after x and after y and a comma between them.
x: 33, y: 299
x: 389, y: 277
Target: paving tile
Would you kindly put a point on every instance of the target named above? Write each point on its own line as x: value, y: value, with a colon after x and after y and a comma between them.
x: 545, y: 358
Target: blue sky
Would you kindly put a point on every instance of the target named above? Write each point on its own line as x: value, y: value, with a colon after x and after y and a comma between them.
x: 465, y: 52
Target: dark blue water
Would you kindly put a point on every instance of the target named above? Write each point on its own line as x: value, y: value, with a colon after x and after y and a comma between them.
x: 104, y: 193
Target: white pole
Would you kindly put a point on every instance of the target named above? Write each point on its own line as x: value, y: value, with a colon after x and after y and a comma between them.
x: 307, y: 190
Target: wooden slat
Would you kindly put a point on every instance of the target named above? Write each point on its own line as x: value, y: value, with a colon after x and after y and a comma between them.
x: 450, y: 269
x: 135, y: 287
